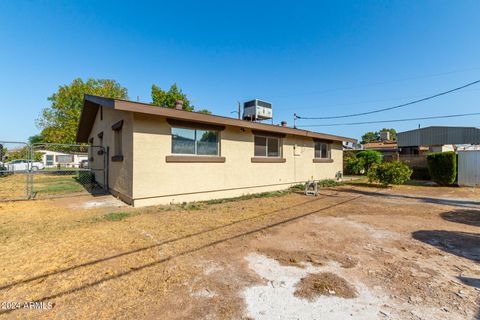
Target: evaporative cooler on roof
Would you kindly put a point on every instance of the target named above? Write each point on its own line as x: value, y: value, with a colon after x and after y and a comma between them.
x: 257, y: 110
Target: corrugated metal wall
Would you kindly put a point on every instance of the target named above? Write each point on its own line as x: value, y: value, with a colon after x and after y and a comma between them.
x: 432, y: 136
x: 469, y: 168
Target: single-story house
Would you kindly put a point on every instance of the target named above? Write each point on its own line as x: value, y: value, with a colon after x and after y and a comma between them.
x: 388, y: 148
x: 159, y: 155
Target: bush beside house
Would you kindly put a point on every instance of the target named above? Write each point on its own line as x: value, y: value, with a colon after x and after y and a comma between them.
x: 360, y: 162
x: 387, y: 173
x: 442, y: 167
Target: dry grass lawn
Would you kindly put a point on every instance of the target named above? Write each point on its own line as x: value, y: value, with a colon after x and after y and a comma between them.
x: 404, y: 244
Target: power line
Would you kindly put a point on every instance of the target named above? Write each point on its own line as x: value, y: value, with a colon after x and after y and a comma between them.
x: 394, y: 107
x: 372, y: 84
x: 394, y: 120
x: 302, y: 107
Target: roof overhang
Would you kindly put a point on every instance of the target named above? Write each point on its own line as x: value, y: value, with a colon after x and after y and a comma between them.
x: 92, y: 104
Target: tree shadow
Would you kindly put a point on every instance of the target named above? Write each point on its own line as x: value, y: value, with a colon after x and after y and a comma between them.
x: 462, y: 244
x: 449, y: 202
x: 469, y: 217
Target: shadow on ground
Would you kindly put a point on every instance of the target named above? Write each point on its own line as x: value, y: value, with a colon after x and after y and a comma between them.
x: 471, y: 204
x: 185, y: 252
x: 470, y: 217
x: 462, y: 244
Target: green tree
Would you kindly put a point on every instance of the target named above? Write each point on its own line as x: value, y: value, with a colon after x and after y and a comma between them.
x: 370, y: 137
x: 369, y: 158
x: 59, y: 121
x: 35, y: 139
x: 374, y: 136
x: 168, y: 98
x: 393, y: 133
x: 204, y: 111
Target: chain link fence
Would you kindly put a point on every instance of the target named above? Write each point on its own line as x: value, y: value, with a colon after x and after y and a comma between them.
x: 14, y: 170
x: 45, y: 170
x: 66, y: 170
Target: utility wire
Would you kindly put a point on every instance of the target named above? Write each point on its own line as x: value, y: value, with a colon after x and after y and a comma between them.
x: 394, y: 107
x: 370, y: 84
x: 394, y: 120
x: 328, y: 106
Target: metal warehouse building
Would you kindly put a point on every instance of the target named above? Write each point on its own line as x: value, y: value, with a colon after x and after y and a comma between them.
x: 438, y: 136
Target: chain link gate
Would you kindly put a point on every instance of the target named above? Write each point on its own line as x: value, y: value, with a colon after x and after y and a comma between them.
x: 67, y: 170
x: 46, y: 170
x: 15, y: 168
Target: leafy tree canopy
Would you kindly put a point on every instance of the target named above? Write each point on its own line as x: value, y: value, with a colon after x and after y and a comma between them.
x: 168, y: 98
x: 374, y: 136
x: 59, y: 121
x: 35, y: 139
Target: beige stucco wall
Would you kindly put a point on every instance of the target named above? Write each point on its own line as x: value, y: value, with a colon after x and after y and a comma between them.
x: 120, y: 174
x: 157, y: 182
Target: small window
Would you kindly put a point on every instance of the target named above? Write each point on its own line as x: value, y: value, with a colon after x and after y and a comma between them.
x: 267, y: 147
x: 118, y: 142
x: 49, y: 159
x: 67, y: 158
x: 322, y: 150
x: 194, y: 142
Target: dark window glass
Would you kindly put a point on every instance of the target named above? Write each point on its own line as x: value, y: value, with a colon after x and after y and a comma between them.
x: 260, y: 146
x: 322, y: 150
x: 207, y: 142
x: 191, y: 141
x: 267, y: 147
x: 183, y: 141
x: 118, y: 142
x: 273, y: 149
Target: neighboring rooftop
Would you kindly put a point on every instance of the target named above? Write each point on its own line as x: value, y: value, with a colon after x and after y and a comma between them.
x: 382, y: 145
x: 438, y: 135
x: 92, y: 104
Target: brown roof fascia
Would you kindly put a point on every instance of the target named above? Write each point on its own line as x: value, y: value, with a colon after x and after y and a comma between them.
x: 218, y: 120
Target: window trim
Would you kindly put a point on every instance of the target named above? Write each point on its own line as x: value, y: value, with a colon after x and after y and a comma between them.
x: 279, y: 143
x: 193, y: 158
x: 329, y: 152
x: 175, y: 156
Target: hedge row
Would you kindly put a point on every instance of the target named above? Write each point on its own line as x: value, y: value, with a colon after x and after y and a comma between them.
x: 442, y: 167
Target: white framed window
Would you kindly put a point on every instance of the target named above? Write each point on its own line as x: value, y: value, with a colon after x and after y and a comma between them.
x: 267, y: 147
x: 322, y: 150
x: 195, y: 142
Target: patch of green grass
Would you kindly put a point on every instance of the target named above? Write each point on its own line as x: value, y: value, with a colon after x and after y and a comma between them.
x: 116, y: 216
x: 298, y: 187
x: 326, y: 183
x: 60, y: 187
x: 249, y: 196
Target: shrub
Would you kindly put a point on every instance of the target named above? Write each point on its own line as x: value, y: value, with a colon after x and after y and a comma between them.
x: 327, y: 183
x: 387, y: 173
x: 442, y: 167
x: 420, y: 173
x: 370, y: 158
x: 354, y: 165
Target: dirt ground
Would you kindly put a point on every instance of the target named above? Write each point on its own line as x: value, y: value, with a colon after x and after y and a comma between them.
x: 354, y: 252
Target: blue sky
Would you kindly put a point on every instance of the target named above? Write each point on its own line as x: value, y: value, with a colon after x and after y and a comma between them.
x: 314, y: 58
